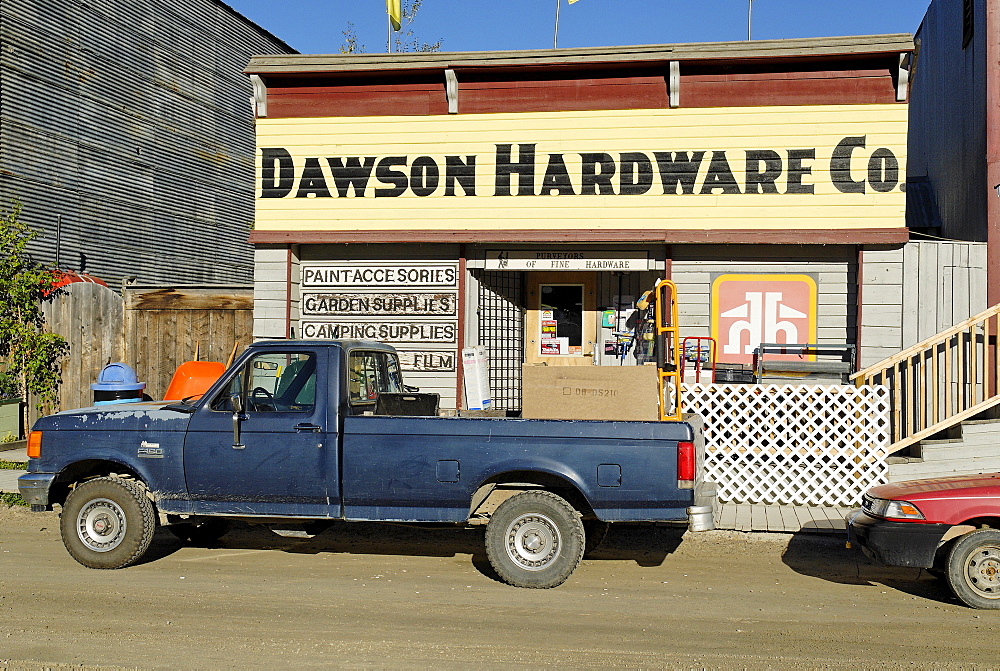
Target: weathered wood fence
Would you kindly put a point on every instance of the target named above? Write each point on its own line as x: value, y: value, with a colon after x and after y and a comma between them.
x: 152, y: 329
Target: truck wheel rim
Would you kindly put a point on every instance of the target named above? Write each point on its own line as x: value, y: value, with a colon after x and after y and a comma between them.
x: 982, y: 571
x: 533, y: 542
x: 101, y: 525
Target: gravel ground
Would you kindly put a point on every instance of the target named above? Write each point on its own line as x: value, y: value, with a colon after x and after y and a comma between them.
x: 379, y: 596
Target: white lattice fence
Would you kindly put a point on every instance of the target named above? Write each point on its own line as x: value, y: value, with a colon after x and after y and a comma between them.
x: 820, y: 445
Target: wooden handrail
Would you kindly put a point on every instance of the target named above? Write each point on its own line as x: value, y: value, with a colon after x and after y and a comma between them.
x: 937, y: 338
x: 942, y: 380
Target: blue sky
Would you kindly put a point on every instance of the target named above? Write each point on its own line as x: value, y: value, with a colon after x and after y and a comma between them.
x: 316, y: 26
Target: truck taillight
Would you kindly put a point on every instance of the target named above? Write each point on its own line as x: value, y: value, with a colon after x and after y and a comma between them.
x: 35, y: 445
x: 685, y: 465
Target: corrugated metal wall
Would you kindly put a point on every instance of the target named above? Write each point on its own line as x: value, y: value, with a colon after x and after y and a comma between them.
x: 947, y: 139
x: 127, y: 133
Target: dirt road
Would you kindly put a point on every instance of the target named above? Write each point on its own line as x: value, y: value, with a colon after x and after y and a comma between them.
x: 361, y: 596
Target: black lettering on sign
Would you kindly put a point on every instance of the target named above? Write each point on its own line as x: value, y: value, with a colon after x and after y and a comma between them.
x: 840, y: 165
x: 557, y: 177
x: 720, y: 176
x: 762, y: 180
x: 883, y: 170
x: 385, y: 174
x: 598, y: 169
x: 636, y: 173
x: 351, y: 172
x: 678, y: 170
x: 462, y: 172
x: 524, y: 168
x: 312, y: 182
x: 280, y: 185
x: 424, y: 176
x: 796, y: 170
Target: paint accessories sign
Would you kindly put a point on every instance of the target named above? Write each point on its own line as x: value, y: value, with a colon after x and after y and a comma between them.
x: 410, y: 305
x: 750, y: 309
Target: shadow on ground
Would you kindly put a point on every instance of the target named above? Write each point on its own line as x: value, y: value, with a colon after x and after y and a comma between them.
x: 826, y: 557
x: 645, y: 544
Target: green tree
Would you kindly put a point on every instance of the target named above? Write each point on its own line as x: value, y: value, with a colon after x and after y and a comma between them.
x: 29, y: 356
x: 351, y: 44
x: 404, y: 40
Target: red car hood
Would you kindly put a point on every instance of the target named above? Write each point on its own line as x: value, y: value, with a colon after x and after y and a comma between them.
x: 985, y: 485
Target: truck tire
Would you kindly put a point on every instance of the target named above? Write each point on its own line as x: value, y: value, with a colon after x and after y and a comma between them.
x: 534, y: 539
x: 107, y: 523
x: 202, y: 532
x: 974, y: 569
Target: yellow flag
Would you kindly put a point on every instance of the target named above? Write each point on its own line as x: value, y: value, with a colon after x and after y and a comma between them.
x: 572, y: 1
x: 395, y: 15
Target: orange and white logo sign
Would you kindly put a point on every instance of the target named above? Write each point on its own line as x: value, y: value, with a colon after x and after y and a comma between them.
x: 748, y: 310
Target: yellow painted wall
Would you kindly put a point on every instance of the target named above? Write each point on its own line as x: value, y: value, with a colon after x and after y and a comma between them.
x: 732, y: 130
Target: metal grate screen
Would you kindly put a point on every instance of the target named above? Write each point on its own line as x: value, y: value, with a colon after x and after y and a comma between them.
x: 501, y: 332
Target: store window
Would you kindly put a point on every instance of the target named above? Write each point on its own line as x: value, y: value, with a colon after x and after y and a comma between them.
x: 561, y: 319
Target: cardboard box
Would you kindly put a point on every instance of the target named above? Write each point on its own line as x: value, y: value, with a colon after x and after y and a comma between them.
x: 589, y: 392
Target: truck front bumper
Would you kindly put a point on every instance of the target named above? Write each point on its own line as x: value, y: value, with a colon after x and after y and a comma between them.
x: 895, y: 543
x: 34, y: 488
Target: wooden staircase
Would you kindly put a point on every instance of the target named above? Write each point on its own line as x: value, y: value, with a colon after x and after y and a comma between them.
x: 944, y: 391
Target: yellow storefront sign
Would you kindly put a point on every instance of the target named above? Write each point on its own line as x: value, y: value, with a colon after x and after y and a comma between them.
x: 763, y: 168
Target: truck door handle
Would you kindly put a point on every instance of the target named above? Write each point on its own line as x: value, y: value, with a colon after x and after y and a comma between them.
x: 304, y: 427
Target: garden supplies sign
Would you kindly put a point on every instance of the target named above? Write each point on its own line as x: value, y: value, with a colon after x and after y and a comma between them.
x: 715, y: 168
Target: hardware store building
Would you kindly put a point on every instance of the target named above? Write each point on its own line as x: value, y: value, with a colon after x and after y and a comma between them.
x: 522, y: 201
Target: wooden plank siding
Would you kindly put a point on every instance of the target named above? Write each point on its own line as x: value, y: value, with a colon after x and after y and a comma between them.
x: 612, y: 133
x: 90, y: 317
x: 487, y: 93
x: 164, y: 327
x: 834, y: 268
x: 913, y: 292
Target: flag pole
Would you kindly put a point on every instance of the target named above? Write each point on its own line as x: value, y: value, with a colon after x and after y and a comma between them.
x: 555, y: 38
x: 750, y: 22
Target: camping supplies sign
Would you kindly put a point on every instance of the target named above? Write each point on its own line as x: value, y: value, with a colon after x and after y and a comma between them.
x: 412, y: 305
x: 714, y: 168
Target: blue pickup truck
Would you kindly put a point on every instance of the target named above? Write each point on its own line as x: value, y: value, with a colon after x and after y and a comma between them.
x: 296, y: 435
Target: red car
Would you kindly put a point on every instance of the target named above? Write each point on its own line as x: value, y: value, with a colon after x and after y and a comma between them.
x: 949, y: 526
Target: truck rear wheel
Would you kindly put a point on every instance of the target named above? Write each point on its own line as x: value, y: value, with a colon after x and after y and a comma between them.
x: 107, y: 523
x: 535, y: 539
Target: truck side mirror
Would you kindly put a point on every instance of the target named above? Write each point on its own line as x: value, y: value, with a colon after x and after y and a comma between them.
x: 236, y: 403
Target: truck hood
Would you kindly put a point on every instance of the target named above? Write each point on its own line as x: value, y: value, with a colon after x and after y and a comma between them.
x: 116, y: 417
x: 987, y: 484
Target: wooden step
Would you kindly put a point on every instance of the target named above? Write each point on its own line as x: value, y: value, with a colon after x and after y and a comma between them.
x: 972, y: 427
x: 922, y: 470
x: 960, y: 452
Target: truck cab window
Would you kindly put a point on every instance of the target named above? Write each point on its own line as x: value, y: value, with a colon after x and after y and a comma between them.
x: 371, y: 374
x: 273, y: 382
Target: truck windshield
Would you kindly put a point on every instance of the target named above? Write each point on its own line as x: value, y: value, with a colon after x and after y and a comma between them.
x: 371, y: 374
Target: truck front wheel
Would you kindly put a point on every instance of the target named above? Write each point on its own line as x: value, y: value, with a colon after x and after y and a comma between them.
x: 974, y: 568
x: 534, y: 539
x: 107, y: 523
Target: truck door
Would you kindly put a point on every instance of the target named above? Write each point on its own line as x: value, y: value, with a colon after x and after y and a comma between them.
x: 278, y: 466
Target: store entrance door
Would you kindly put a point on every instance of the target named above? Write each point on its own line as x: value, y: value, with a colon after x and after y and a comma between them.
x: 561, y: 320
